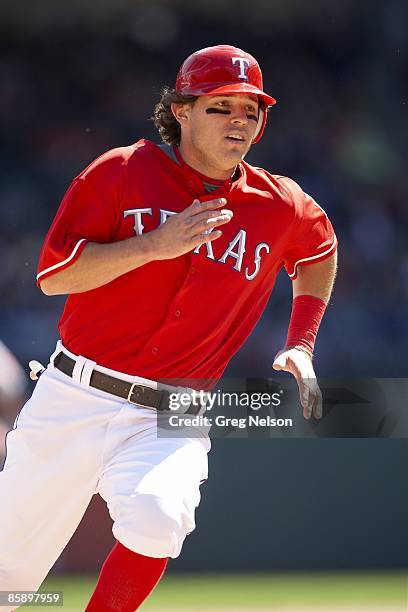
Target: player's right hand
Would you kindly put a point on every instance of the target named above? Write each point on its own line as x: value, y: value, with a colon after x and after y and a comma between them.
x: 183, y: 232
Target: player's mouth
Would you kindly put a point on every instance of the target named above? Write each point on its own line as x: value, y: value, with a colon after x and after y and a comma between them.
x: 236, y: 137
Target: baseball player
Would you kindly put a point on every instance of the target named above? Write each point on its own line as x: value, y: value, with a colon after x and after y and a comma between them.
x: 168, y: 254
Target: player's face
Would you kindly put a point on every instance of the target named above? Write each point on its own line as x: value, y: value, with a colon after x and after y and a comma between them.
x: 217, y: 132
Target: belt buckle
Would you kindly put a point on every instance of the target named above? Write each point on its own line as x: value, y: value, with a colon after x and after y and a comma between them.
x: 163, y: 403
x: 132, y: 388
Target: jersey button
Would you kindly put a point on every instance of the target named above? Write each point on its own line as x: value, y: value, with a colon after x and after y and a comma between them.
x: 192, y: 270
x: 155, y: 350
x: 191, y: 183
x: 177, y: 313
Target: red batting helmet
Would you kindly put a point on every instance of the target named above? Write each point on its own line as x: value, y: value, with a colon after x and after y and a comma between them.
x: 224, y: 70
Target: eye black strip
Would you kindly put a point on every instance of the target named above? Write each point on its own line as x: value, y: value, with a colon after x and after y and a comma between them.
x: 210, y: 111
x: 217, y: 110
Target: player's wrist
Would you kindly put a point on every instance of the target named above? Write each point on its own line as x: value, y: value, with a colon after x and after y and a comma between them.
x: 148, y: 247
x: 301, y: 348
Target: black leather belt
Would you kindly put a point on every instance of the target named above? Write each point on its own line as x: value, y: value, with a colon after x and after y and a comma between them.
x: 132, y: 392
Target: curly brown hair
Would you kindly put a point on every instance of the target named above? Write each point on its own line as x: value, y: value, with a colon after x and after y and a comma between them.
x: 164, y: 120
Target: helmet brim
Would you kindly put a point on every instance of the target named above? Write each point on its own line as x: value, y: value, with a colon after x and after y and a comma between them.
x: 230, y: 88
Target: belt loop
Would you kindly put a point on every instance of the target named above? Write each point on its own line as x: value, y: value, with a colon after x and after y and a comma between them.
x: 87, y: 372
x: 58, y: 349
x: 78, y: 367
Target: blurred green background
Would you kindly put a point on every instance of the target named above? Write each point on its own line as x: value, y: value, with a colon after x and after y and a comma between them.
x: 329, y: 591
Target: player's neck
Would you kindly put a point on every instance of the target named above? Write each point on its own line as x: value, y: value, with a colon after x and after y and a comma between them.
x: 197, y: 162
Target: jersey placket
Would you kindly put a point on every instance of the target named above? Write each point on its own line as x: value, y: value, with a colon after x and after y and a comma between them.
x: 176, y: 311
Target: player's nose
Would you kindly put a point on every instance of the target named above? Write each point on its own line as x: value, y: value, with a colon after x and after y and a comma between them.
x: 239, y: 115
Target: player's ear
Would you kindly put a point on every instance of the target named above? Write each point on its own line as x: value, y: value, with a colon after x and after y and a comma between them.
x: 181, y: 112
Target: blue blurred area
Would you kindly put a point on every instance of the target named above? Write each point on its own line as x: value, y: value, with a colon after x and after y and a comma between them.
x: 74, y: 86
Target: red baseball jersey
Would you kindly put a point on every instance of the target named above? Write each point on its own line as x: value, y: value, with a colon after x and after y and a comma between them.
x: 183, y: 317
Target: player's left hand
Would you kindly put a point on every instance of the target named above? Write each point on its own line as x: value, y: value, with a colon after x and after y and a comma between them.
x: 299, y: 364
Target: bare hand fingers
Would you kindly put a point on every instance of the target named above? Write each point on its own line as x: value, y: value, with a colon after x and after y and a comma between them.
x: 203, y: 237
x: 310, y: 398
x: 318, y: 405
x: 305, y: 399
x: 198, y: 207
x: 305, y: 392
x: 209, y: 220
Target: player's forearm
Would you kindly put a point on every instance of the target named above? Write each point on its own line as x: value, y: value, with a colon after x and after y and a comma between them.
x: 100, y: 264
x: 316, y: 279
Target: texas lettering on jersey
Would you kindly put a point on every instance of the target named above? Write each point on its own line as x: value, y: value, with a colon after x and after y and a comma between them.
x: 234, y: 251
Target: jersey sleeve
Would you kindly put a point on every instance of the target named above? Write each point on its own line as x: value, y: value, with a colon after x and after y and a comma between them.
x: 313, y: 238
x: 87, y: 213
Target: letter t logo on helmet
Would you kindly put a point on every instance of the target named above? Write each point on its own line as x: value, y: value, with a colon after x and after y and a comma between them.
x: 221, y: 70
x: 243, y: 64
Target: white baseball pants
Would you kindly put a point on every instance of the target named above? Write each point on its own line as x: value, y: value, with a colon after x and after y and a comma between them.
x: 70, y: 442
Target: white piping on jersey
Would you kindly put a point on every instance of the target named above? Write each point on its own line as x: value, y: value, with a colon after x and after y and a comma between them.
x: 62, y: 263
x: 313, y: 257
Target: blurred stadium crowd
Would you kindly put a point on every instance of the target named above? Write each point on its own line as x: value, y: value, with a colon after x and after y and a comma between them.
x: 73, y: 89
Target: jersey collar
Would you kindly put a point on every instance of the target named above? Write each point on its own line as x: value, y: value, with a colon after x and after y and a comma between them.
x: 194, y: 180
